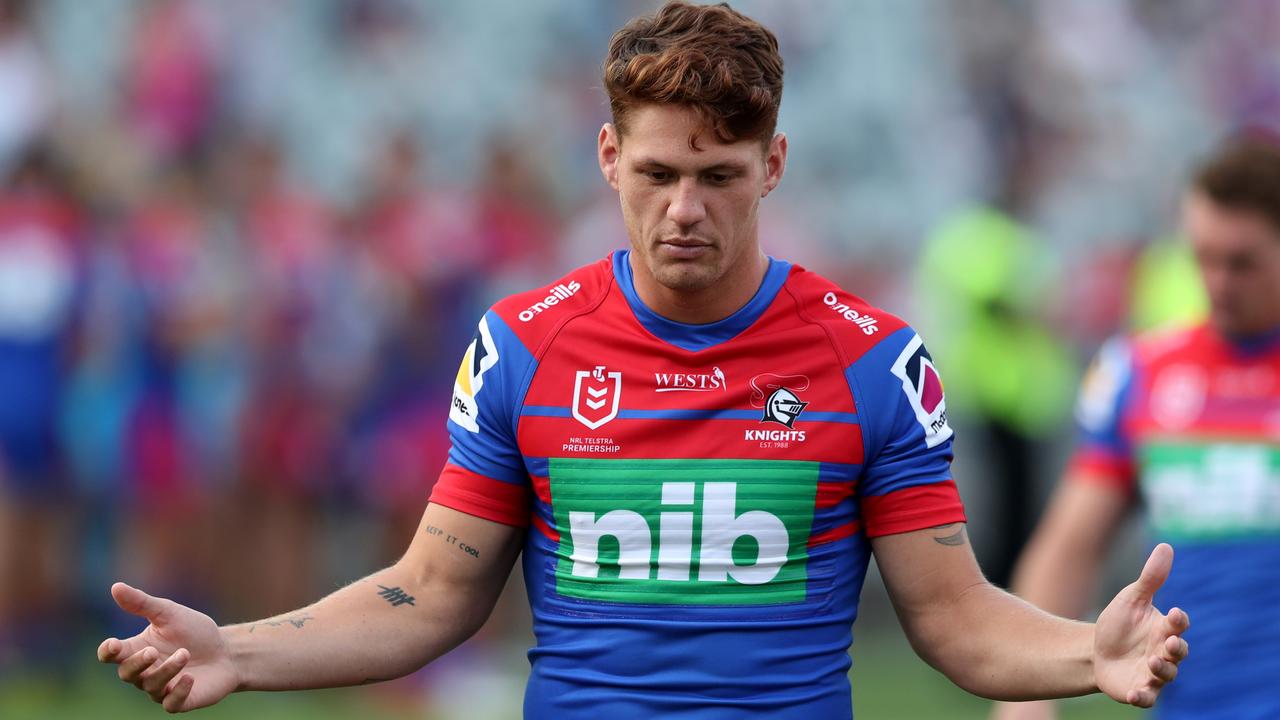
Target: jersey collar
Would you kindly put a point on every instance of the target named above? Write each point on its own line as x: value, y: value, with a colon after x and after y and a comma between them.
x: 700, y: 337
x: 1254, y: 344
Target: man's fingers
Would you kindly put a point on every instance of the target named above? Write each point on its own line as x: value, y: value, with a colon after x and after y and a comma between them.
x: 131, y: 669
x: 1141, y: 698
x: 110, y: 650
x: 114, y: 650
x: 133, y: 600
x: 1164, y: 670
x: 1155, y: 572
x: 155, y: 679
x: 1177, y: 621
x: 1175, y: 649
x: 176, y: 697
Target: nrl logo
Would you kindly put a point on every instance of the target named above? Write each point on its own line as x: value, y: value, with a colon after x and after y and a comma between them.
x: 781, y: 405
x: 595, y: 396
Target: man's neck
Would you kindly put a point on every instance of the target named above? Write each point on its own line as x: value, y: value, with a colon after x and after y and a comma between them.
x: 699, y: 307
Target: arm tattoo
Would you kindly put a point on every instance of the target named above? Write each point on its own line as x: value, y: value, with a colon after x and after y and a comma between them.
x: 453, y: 540
x: 297, y: 621
x: 395, y: 596
x: 956, y: 538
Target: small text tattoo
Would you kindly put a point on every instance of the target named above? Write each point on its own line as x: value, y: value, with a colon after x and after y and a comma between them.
x: 395, y: 595
x: 956, y: 538
x: 297, y: 621
x: 453, y: 540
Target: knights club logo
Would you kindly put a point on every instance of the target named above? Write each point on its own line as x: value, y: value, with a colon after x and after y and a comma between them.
x: 595, y: 396
x: 776, y: 395
x: 923, y: 388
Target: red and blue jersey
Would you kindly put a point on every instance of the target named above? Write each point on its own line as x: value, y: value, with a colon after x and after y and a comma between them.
x: 698, y: 498
x: 1189, y: 423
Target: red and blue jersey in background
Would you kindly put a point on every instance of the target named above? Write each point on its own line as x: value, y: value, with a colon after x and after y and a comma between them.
x: 698, y: 498
x: 1189, y: 422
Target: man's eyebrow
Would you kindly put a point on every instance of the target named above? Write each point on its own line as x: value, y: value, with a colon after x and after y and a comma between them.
x: 728, y: 166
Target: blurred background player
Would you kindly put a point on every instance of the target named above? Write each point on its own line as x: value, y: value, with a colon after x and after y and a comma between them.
x: 1183, y: 425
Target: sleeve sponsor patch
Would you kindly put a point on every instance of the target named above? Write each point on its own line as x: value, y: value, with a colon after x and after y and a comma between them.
x: 481, y: 356
x: 923, y: 388
x: 1102, y: 385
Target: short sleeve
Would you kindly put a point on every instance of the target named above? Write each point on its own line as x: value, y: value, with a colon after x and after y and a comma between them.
x: 485, y: 475
x: 1104, y: 451
x: 906, y: 481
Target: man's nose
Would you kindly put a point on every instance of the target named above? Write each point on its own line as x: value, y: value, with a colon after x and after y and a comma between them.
x: 686, y: 207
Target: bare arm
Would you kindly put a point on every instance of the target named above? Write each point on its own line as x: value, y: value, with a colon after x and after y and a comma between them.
x: 391, y: 622
x: 384, y: 626
x: 998, y: 646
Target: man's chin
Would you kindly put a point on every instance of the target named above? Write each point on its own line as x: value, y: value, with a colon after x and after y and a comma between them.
x: 685, y: 276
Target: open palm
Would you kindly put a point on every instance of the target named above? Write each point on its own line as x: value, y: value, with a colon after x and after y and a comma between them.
x: 1136, y: 648
x: 180, y: 659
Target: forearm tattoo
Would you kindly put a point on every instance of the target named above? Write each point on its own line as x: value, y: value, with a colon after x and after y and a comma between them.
x: 453, y: 540
x: 955, y: 538
x: 395, y: 596
x: 297, y: 621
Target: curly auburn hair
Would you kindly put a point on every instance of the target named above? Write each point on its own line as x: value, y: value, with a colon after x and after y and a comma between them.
x: 711, y: 58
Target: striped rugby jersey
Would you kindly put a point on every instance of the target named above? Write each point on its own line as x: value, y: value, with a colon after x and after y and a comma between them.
x: 1189, y: 422
x: 698, y: 498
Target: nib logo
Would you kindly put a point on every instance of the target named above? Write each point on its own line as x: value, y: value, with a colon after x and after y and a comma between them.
x: 710, y: 533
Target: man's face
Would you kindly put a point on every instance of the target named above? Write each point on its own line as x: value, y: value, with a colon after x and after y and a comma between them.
x: 690, y: 214
x: 1238, y: 252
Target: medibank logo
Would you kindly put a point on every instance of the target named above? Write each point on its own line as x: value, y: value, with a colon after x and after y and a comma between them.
x: 558, y: 293
x: 866, y: 322
x: 630, y: 535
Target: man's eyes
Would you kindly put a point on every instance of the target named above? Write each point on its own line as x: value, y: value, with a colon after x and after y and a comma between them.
x: 663, y: 176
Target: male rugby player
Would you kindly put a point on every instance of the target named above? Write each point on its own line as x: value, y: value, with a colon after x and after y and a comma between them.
x: 1189, y: 421
x: 697, y: 448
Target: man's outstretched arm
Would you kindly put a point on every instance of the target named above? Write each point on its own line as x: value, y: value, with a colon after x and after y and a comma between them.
x: 384, y: 626
x: 998, y: 646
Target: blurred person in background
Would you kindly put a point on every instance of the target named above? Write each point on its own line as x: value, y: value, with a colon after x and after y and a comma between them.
x: 179, y: 308
x: 758, y: 628
x: 288, y: 432
x: 985, y: 280
x: 1183, y: 425
x: 41, y: 281
x: 27, y: 101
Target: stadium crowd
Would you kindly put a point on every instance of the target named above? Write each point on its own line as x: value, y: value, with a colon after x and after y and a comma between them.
x: 243, y: 244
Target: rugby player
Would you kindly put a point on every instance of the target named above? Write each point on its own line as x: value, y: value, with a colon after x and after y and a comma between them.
x: 1184, y: 426
x: 697, y: 448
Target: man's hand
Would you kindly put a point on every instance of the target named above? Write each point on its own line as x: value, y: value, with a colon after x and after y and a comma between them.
x: 1136, y: 648
x: 180, y: 660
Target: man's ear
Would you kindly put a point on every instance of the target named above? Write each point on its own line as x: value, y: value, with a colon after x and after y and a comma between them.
x: 608, y: 151
x: 775, y: 163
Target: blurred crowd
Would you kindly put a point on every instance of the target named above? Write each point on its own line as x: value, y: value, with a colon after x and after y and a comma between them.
x: 243, y: 244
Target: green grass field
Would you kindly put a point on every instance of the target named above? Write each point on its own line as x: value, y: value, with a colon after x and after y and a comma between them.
x: 890, y: 683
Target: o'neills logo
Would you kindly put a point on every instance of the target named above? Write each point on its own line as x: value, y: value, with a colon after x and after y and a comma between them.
x: 691, y: 382
x: 866, y: 322
x: 558, y: 293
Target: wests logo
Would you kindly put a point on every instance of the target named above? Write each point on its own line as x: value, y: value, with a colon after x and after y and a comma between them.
x: 923, y: 388
x: 691, y: 382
